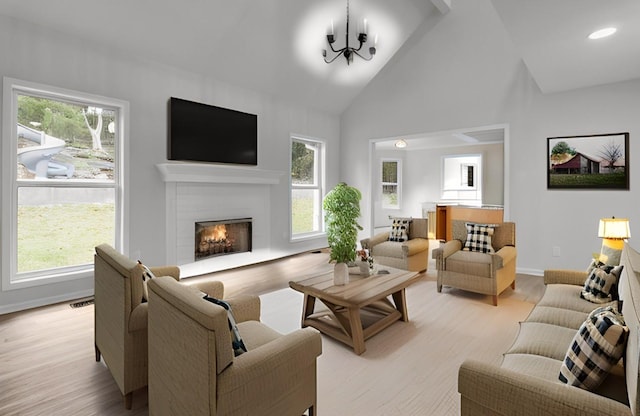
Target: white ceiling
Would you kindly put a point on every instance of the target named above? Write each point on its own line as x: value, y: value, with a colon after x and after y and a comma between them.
x: 551, y: 36
x: 271, y: 46
x: 274, y: 46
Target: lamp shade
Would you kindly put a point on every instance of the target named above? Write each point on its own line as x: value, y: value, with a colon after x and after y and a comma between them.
x: 614, y: 228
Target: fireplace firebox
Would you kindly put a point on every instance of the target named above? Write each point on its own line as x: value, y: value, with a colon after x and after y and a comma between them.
x: 217, y: 238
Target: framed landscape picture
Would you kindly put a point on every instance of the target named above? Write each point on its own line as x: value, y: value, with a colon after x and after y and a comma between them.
x: 599, y: 161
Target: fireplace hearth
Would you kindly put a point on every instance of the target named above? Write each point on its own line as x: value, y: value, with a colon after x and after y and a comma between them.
x: 222, y: 237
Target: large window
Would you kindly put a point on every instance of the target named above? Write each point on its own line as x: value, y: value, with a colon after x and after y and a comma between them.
x: 307, y: 167
x: 390, y: 183
x: 62, y: 182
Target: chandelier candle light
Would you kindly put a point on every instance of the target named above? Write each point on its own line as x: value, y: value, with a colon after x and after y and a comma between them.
x: 349, y: 51
x: 613, y: 232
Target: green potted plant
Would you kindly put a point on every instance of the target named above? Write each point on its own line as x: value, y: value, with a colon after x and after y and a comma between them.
x: 342, y: 209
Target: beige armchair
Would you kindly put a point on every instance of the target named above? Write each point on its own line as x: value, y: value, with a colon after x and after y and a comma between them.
x: 120, y: 326
x: 409, y: 255
x: 486, y: 273
x: 192, y: 368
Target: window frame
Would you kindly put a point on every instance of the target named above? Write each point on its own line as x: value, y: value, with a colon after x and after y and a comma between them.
x: 320, y: 180
x: 10, y: 184
x: 398, y: 183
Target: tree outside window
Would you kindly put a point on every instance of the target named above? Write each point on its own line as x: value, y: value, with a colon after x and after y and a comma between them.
x: 390, y: 183
x: 65, y: 196
x: 306, y: 187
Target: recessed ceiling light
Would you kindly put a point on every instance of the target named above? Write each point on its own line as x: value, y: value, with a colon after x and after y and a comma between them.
x: 603, y: 33
x: 401, y: 144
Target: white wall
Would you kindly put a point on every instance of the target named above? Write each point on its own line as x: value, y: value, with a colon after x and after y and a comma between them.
x: 39, y: 55
x: 464, y: 72
x: 422, y: 178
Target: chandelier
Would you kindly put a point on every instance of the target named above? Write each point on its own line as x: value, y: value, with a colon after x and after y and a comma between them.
x: 348, y: 51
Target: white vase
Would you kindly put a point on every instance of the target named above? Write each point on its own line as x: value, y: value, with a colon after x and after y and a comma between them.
x: 340, y: 274
x: 364, y: 268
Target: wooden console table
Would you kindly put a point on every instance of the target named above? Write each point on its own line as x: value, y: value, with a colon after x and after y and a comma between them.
x: 358, y: 310
x: 446, y: 213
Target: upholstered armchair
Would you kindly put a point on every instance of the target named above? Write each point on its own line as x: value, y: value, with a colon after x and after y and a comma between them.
x: 412, y: 254
x: 489, y: 273
x: 120, y: 326
x: 193, y: 370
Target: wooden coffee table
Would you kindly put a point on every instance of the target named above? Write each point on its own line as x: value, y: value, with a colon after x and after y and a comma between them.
x: 358, y: 310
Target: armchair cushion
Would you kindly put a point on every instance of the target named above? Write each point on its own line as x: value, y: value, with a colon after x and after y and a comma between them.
x: 479, y: 238
x: 470, y: 262
x: 400, y: 230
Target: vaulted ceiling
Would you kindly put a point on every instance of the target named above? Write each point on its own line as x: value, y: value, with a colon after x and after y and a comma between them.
x: 274, y: 46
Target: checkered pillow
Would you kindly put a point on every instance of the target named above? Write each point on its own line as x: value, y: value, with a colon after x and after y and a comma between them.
x: 598, y: 346
x: 236, y: 340
x: 479, y: 238
x: 147, y: 275
x: 601, y: 285
x: 400, y: 230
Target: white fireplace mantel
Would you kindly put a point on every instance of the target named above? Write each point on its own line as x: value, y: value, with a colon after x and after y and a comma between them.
x: 203, y: 173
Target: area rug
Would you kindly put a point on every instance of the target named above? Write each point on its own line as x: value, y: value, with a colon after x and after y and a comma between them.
x: 411, y: 367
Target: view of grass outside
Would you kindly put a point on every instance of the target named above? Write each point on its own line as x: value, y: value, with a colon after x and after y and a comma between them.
x: 390, y: 184
x: 66, y: 183
x: 51, y: 236
x: 302, y: 212
x: 390, y: 196
x: 612, y: 180
x: 306, y: 187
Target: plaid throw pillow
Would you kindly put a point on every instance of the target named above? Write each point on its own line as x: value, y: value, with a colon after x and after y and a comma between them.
x: 147, y: 275
x: 598, y: 346
x: 236, y: 340
x: 479, y: 238
x: 601, y: 285
x: 400, y: 230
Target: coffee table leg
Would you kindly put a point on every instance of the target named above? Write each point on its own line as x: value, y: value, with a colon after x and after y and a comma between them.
x: 357, y: 335
x: 307, y: 308
x: 400, y: 300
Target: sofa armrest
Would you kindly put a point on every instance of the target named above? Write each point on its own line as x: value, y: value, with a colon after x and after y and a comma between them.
x: 272, y: 363
x: 245, y: 308
x: 173, y: 271
x: 414, y: 246
x: 507, y: 392
x: 567, y: 277
x: 369, y: 243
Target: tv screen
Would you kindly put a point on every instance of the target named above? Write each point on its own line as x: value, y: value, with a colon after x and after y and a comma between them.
x: 205, y: 133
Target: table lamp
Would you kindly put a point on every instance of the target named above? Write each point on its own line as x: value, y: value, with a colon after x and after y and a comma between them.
x: 613, y: 232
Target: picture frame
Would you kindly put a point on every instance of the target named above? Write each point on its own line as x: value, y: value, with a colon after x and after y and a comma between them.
x: 597, y: 161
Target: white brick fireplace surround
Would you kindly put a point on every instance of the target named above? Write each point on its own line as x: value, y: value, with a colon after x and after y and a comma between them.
x: 201, y: 192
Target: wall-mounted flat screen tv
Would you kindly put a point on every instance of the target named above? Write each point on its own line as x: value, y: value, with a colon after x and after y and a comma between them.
x: 206, y: 133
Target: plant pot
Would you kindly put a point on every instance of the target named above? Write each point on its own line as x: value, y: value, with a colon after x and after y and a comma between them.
x: 340, y: 274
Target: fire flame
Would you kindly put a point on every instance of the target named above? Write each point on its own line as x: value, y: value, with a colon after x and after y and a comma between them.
x: 216, y: 233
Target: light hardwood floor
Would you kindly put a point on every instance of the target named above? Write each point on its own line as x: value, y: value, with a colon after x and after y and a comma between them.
x: 47, y: 364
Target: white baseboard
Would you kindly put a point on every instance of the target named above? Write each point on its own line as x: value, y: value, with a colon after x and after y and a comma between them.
x: 533, y: 272
x: 35, y: 303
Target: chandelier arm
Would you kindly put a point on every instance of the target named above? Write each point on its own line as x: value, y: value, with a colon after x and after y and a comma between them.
x: 337, y: 50
x: 334, y: 58
x: 359, y: 47
x: 361, y: 56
